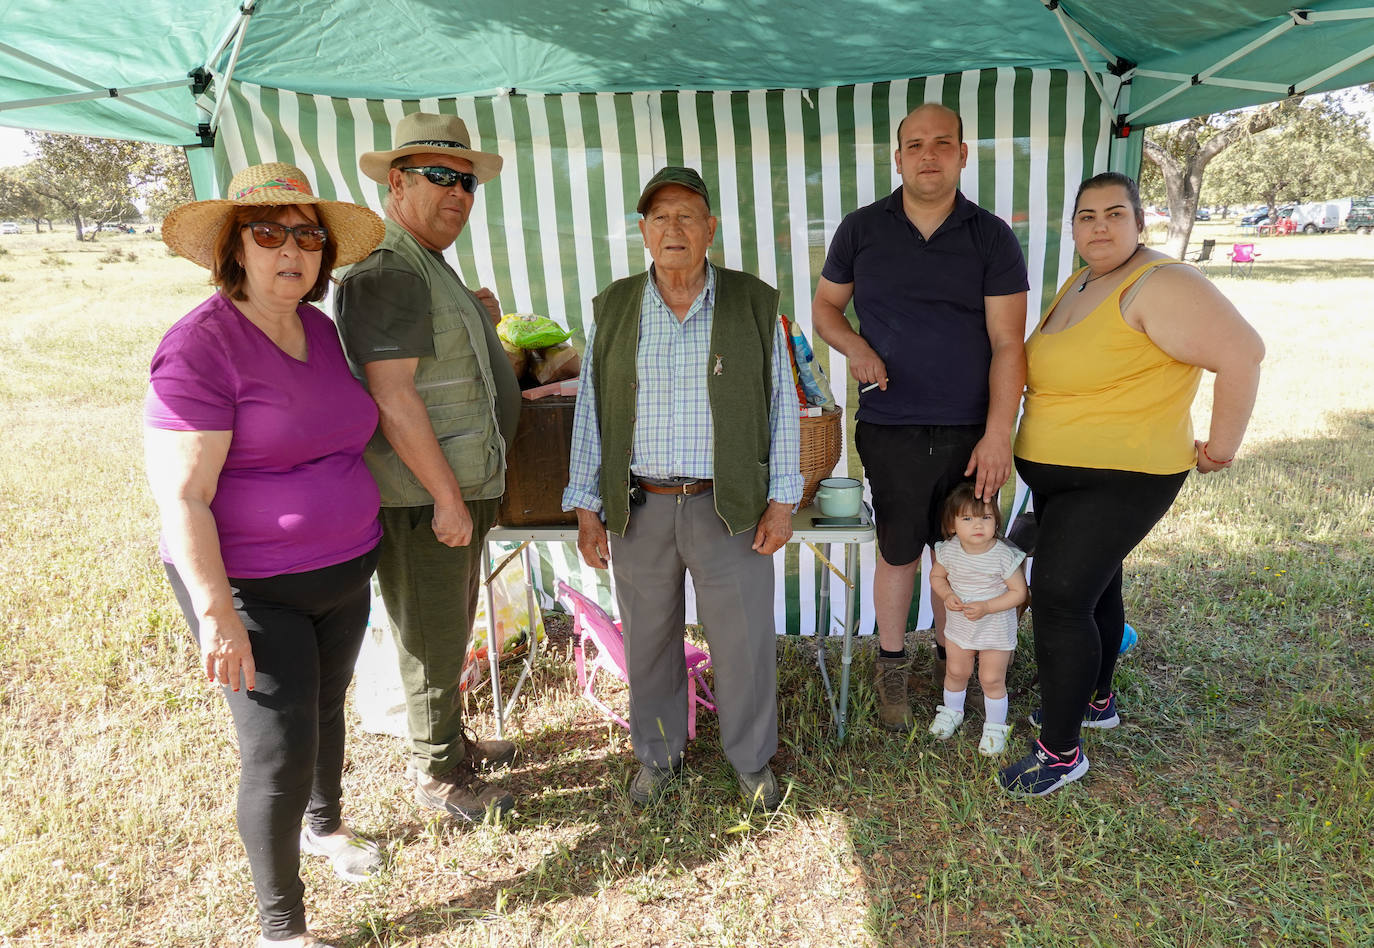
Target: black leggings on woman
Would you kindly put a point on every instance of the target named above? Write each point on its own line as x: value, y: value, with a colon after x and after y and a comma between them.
x: 1088, y: 520
x: 305, y: 630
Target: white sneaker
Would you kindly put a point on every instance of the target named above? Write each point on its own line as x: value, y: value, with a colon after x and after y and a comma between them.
x: 352, y: 858
x: 994, y: 739
x: 946, y: 722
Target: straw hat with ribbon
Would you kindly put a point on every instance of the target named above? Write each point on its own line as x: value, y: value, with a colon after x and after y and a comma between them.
x: 190, y: 230
x: 429, y: 134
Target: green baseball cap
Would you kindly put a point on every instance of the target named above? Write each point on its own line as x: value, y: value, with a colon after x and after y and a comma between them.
x: 686, y: 177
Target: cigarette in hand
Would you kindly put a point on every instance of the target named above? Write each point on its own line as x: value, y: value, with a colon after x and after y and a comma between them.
x: 870, y: 387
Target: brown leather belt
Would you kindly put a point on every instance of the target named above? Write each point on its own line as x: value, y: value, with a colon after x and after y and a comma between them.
x: 690, y: 488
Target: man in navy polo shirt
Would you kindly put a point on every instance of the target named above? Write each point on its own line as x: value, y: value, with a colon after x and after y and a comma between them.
x: 939, y: 286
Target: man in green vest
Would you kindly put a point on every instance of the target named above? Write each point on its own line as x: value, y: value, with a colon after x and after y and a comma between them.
x: 426, y: 348
x: 686, y: 439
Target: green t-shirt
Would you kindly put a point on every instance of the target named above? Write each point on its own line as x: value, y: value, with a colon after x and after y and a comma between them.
x: 383, y: 313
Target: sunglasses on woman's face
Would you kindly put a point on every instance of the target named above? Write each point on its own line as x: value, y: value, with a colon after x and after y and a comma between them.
x: 446, y: 177
x: 270, y: 234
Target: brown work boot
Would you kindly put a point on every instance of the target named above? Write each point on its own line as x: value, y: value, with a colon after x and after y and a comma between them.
x: 894, y: 708
x: 485, y: 755
x: 488, y: 755
x: 462, y: 793
x: 937, y: 667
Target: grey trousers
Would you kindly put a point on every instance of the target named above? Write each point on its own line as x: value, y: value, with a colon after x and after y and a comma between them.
x: 668, y: 536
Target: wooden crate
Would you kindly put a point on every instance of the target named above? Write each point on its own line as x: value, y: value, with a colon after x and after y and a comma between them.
x: 537, y: 464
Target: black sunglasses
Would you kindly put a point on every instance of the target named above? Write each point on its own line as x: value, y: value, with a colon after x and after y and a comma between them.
x: 270, y: 234
x: 447, y: 177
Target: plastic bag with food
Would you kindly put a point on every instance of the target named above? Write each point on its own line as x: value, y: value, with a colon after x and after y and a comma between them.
x: 530, y: 331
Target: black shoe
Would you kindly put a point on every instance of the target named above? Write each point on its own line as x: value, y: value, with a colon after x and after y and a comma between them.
x: 760, y: 789
x: 648, y: 784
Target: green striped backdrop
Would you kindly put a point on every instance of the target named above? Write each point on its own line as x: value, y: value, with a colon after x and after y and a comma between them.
x: 784, y: 167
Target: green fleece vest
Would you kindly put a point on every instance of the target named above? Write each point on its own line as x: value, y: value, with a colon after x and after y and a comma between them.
x: 742, y: 326
x: 456, y: 386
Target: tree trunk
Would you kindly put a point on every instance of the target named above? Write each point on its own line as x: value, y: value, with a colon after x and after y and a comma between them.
x: 1183, y: 175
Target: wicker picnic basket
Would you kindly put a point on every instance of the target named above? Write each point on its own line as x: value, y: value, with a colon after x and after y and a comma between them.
x: 821, y: 439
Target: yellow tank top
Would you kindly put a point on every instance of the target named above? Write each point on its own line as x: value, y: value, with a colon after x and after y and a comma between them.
x: 1100, y: 394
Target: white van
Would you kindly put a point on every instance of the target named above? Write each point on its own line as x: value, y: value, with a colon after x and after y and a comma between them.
x: 1320, y: 217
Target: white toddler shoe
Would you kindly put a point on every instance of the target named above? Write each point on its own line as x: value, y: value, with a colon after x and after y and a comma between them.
x: 946, y: 722
x: 994, y: 739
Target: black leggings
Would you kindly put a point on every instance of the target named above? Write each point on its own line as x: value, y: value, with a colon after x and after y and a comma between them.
x: 1088, y: 521
x: 305, y: 630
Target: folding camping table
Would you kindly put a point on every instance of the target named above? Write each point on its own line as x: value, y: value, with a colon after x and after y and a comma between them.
x: 819, y: 539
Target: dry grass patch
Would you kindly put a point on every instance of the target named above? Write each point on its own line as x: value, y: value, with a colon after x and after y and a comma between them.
x: 1235, y: 805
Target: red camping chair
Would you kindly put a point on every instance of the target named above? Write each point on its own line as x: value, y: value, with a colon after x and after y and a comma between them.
x: 592, y: 624
x: 1243, y: 258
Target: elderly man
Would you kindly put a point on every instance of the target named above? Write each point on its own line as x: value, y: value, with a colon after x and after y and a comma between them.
x: 686, y: 438
x: 939, y: 285
x: 426, y: 348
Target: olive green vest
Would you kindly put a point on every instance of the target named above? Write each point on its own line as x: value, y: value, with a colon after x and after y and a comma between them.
x: 743, y: 322
x: 456, y: 386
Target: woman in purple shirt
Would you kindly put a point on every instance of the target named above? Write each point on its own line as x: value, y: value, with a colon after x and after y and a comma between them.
x: 254, y: 434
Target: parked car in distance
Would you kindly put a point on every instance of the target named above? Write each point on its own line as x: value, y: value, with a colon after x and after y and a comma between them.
x: 1153, y: 217
x: 1361, y: 216
x: 1284, y: 213
x: 9, y: 227
x: 1257, y: 215
x: 1317, y: 217
x: 1202, y: 214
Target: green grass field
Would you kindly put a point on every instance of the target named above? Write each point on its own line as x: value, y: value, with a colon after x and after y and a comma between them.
x: 1234, y: 807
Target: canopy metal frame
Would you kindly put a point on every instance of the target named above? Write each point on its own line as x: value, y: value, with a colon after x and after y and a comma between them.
x: 93, y: 90
x: 1110, y: 73
x: 1077, y: 35
x: 197, y: 81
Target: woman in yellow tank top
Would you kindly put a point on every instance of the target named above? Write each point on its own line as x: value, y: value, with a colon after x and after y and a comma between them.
x: 1105, y: 443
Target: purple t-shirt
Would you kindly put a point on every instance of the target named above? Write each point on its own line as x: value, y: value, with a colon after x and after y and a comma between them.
x: 294, y: 494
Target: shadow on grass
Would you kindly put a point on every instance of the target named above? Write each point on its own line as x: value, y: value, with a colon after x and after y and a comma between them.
x: 597, y: 847
x: 1246, y: 750
x: 1247, y: 726
x: 1291, y: 271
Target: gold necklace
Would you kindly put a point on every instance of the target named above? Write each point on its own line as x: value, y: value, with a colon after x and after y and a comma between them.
x: 1087, y: 280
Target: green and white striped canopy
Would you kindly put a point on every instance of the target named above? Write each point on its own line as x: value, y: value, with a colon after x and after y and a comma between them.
x: 129, y: 68
x: 784, y: 166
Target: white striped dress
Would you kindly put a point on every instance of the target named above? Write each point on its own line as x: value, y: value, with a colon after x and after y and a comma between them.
x: 975, y: 578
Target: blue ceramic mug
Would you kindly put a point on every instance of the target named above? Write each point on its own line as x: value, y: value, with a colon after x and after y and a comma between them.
x: 840, y: 497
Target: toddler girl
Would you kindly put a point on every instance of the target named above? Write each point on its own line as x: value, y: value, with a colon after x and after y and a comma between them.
x: 978, y: 575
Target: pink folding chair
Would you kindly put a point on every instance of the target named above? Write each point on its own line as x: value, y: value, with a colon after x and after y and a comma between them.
x: 591, y: 623
x: 1243, y: 258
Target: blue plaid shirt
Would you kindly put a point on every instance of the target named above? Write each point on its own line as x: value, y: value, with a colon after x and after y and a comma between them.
x: 672, y: 433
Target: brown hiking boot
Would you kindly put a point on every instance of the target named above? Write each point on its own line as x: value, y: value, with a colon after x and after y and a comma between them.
x: 890, y: 680
x: 462, y: 793
x: 937, y: 668
x: 485, y: 755
x: 488, y: 755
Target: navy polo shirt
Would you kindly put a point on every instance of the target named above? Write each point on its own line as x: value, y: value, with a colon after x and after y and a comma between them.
x: 920, y: 306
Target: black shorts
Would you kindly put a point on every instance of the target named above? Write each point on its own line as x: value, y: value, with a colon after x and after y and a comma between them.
x: 911, y: 469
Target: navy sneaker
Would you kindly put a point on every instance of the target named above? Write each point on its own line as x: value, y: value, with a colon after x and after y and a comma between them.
x: 1102, y: 713
x: 1042, y: 771
x: 1099, y: 714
